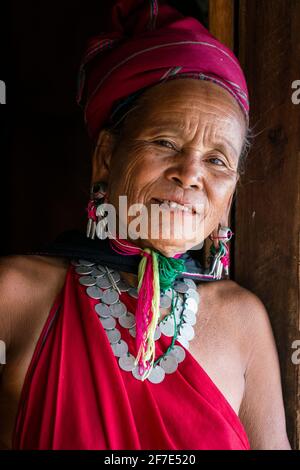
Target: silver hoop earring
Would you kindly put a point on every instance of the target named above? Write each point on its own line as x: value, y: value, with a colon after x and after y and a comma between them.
x: 95, y: 212
x: 220, y: 257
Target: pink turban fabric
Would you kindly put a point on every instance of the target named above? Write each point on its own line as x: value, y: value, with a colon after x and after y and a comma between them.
x: 151, y: 42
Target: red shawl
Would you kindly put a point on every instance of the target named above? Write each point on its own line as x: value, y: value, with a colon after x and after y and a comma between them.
x: 75, y: 395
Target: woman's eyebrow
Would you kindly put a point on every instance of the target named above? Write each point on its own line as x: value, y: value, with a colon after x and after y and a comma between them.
x: 167, y: 126
x: 225, y: 145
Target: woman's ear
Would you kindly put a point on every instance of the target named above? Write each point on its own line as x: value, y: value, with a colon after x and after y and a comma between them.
x: 102, y: 156
x: 224, y: 221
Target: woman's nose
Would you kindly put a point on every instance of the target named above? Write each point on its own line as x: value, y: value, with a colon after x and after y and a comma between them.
x: 187, y: 172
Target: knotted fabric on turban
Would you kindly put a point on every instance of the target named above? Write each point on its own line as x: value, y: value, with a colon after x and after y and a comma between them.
x: 151, y: 42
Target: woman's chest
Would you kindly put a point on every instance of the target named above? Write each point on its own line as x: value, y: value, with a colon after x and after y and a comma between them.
x: 213, y: 347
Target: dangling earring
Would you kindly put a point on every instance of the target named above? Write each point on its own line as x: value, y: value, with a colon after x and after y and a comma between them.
x: 220, y: 256
x: 96, y: 221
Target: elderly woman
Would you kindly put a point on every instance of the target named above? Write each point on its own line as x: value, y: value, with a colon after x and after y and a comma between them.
x: 132, y: 344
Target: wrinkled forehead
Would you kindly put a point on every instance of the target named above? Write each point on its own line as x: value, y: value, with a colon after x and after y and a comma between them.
x: 187, y: 103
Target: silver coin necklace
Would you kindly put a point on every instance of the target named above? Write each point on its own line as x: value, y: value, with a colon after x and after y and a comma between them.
x: 105, y: 285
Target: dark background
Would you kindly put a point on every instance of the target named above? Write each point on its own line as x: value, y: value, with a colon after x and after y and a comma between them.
x: 45, y: 150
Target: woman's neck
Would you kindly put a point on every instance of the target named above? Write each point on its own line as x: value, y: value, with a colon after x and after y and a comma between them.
x: 132, y: 280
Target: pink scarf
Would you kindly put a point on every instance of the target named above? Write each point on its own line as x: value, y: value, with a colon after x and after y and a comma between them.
x: 151, y: 42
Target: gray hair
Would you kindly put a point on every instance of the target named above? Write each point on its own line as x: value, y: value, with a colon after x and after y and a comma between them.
x: 245, y: 150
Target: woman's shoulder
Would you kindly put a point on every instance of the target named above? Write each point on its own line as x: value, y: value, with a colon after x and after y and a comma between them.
x: 28, y: 286
x: 24, y: 276
x: 23, y: 262
x: 26, y: 270
x: 233, y: 298
x: 235, y: 310
x: 245, y: 304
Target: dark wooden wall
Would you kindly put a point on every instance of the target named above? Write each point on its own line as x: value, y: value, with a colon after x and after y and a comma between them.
x: 48, y: 154
x: 268, y: 200
x: 266, y: 213
x: 267, y: 206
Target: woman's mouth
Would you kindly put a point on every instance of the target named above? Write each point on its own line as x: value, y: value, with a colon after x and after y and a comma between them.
x: 173, y: 206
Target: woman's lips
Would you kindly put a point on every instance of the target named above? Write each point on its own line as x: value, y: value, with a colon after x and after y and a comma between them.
x: 170, y: 204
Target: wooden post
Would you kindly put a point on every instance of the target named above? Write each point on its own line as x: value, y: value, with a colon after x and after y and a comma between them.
x: 221, y: 25
x: 221, y: 20
x: 266, y: 218
x: 267, y: 214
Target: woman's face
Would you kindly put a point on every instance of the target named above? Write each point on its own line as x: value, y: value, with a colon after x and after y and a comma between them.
x: 181, y: 144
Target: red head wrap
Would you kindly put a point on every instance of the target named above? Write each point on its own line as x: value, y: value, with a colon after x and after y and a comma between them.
x: 151, y: 42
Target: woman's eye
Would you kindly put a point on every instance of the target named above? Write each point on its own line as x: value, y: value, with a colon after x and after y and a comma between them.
x: 221, y: 163
x: 165, y: 143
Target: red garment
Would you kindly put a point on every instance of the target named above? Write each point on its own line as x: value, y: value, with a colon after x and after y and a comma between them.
x: 150, y: 42
x: 75, y: 395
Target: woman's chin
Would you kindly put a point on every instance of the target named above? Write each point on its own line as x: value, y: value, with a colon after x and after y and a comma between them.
x: 170, y: 248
